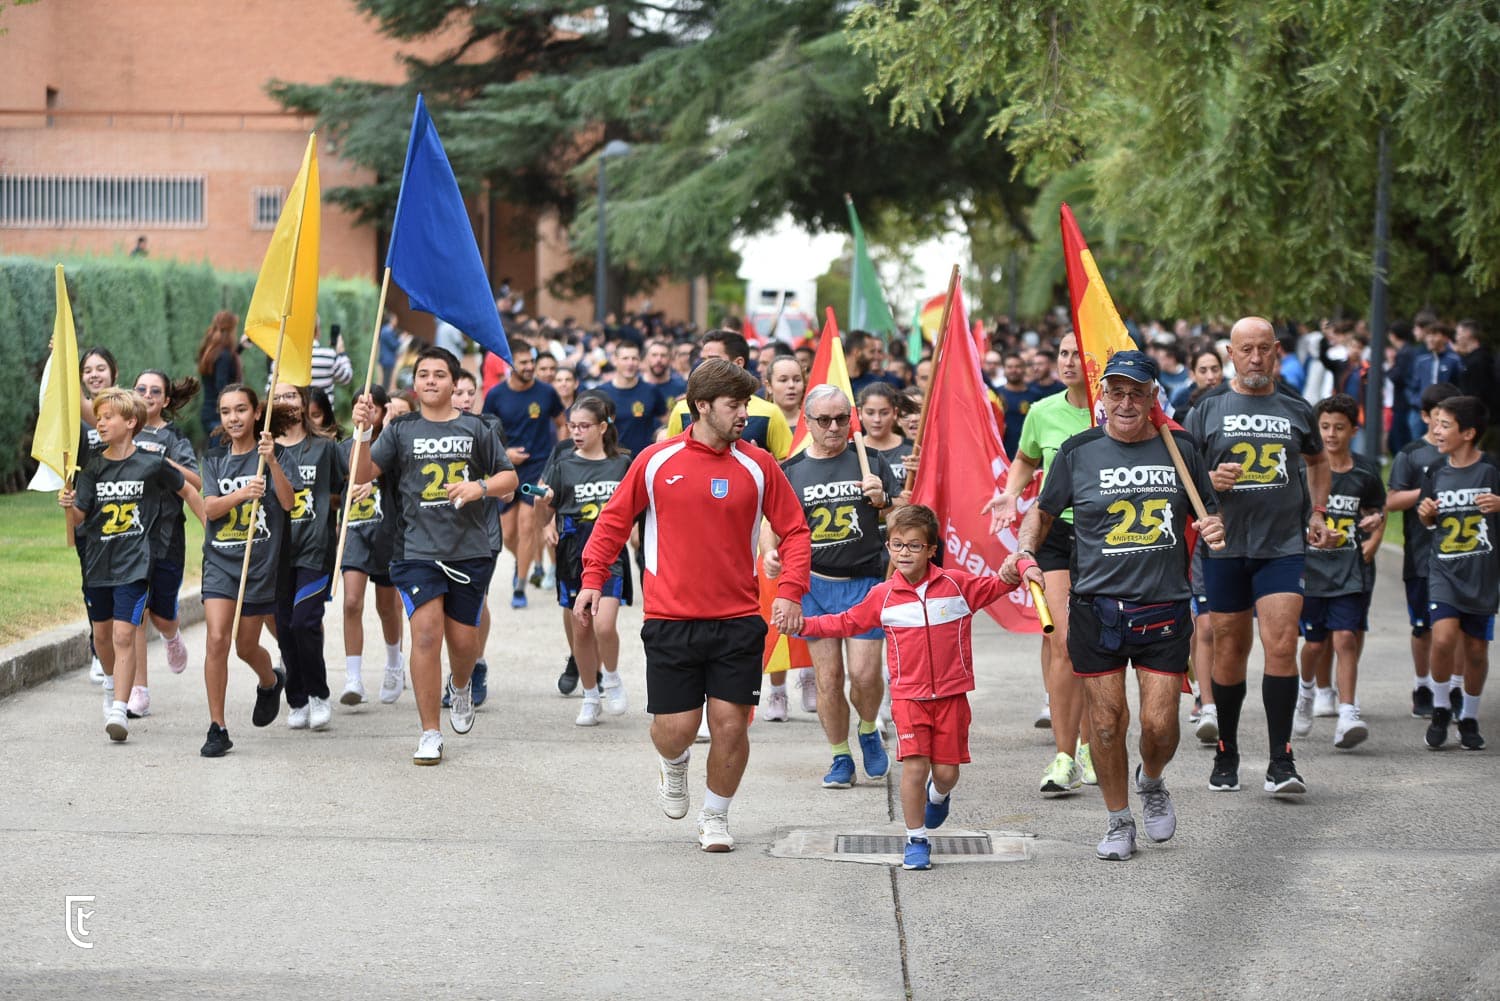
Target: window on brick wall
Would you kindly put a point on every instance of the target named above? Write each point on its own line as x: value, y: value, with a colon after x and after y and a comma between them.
x: 265, y: 207
x: 47, y: 201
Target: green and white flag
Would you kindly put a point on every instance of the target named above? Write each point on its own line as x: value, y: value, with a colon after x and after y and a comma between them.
x: 867, y: 308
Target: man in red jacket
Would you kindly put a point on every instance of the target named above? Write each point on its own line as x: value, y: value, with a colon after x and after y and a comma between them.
x: 703, y: 494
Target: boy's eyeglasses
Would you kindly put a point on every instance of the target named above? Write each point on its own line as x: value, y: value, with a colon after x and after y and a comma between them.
x: 906, y: 547
x: 841, y: 420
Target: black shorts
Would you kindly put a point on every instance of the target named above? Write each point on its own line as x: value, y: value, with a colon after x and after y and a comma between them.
x: 1056, y: 550
x: 1091, y: 658
x: 689, y: 660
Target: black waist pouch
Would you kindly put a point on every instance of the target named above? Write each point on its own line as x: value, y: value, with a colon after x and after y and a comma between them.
x: 1126, y: 623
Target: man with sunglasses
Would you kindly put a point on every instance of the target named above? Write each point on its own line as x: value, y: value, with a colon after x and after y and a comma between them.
x: 842, y: 507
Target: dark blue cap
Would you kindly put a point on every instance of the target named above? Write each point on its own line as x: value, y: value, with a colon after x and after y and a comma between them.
x: 1135, y: 365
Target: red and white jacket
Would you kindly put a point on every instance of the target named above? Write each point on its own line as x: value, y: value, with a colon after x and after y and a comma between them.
x: 927, y: 629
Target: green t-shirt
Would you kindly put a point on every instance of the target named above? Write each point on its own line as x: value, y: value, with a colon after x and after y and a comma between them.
x: 1050, y: 422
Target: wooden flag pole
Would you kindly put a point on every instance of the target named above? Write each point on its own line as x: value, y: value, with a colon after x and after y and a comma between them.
x: 1182, y: 474
x: 937, y: 348
x: 260, y: 471
x: 338, y: 555
x: 859, y: 451
x: 70, y: 537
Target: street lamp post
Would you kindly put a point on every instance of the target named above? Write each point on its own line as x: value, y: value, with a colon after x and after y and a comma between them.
x: 613, y: 148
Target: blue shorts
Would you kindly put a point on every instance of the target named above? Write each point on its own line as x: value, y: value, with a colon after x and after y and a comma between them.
x: 531, y: 473
x: 1416, y: 607
x: 567, y: 590
x: 1481, y: 627
x: 1236, y: 583
x: 1344, y: 613
x: 460, y: 583
x: 831, y: 597
x: 1200, y: 604
x: 166, y: 581
x: 121, y: 603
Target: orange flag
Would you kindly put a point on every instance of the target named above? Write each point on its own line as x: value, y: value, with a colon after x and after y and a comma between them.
x: 827, y: 367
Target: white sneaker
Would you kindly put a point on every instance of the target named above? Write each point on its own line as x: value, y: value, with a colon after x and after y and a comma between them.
x: 671, y: 789
x: 319, y: 712
x: 1043, y: 719
x: 109, y: 699
x: 616, y: 702
x: 177, y: 653
x: 395, y: 682
x: 429, y: 748
x: 296, y: 719
x: 96, y: 672
x: 115, y: 724
x: 1326, y: 703
x: 549, y: 578
x: 1351, y: 730
x: 588, y: 713
x: 777, y: 707
x: 713, y: 832
x: 807, y: 685
x: 461, y: 710
x: 354, y: 690
x: 1302, y: 718
x: 1208, y: 725
x: 703, y: 735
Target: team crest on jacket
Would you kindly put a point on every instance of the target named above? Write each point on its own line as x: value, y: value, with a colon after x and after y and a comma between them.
x: 719, y: 488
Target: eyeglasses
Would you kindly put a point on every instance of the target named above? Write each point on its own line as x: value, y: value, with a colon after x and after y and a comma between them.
x: 1120, y: 395
x: 841, y: 420
x: 581, y: 427
x: 287, y: 398
x: 906, y: 547
x: 150, y: 391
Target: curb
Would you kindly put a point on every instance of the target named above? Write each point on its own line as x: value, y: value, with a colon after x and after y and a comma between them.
x: 65, y: 649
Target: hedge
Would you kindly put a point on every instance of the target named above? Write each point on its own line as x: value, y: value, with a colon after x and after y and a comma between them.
x: 151, y: 314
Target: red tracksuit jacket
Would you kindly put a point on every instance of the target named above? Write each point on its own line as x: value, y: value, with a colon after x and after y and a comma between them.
x: 927, y: 629
x: 703, y: 511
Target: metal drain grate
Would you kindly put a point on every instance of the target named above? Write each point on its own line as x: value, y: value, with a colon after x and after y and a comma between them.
x: 895, y: 844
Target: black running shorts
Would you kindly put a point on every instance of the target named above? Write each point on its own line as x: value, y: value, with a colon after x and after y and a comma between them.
x: 690, y: 660
x: 1091, y: 658
x: 1056, y: 550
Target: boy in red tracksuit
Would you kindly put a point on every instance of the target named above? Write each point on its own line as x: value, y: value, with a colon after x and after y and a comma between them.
x: 925, y: 611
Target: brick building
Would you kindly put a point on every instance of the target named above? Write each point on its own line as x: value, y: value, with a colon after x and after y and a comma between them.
x: 151, y: 118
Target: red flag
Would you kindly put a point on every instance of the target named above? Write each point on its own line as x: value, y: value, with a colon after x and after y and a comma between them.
x: 827, y: 367
x: 962, y: 463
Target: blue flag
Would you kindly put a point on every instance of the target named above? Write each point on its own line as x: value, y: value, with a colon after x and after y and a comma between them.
x: 433, y: 255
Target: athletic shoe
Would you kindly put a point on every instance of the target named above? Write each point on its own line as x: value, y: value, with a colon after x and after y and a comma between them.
x: 448, y: 692
x: 429, y: 748
x: 217, y: 743
x: 873, y: 755
x: 841, y: 774
x: 1326, y: 703
x: 1351, y: 731
x: 918, y: 854
x: 1119, y: 841
x: 1156, y: 808
x: 394, y: 682
x: 703, y: 735
x: 479, y: 683
x: 1421, y: 703
x: 934, y: 814
x: 354, y: 690
x: 616, y: 702
x: 518, y: 599
x: 296, y: 719
x: 1062, y: 776
x: 1043, y: 719
x: 1196, y: 713
x: 671, y: 788
x: 177, y: 653
x: 1456, y: 698
x: 549, y: 578
x: 1437, y: 729
x: 319, y: 712
x: 116, y: 725
x: 1468, y: 735
x: 588, y: 713
x: 1226, y: 774
x: 461, y: 712
x: 1282, y: 778
x: 778, y: 709
x: 807, y: 686
x: 567, y: 682
x: 109, y: 700
x: 1302, y: 717
x: 268, y: 701
x: 1208, y: 725
x: 538, y: 575
x: 96, y: 671
x: 1085, y: 764
x: 713, y: 832
x: 139, y: 703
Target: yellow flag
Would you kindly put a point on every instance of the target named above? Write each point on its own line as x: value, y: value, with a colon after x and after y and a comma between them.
x: 288, y: 282
x: 58, y: 424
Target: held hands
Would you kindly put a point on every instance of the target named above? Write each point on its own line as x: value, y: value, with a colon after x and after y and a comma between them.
x: 873, y: 490
x: 1034, y: 575
x: 1008, y: 570
x: 586, y: 606
x: 1319, y: 535
x: 786, y: 615
x: 1002, y: 511
x: 1224, y: 476
x: 1211, y: 531
x: 771, y: 565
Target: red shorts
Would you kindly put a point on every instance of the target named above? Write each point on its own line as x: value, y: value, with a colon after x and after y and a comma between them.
x: 936, y: 729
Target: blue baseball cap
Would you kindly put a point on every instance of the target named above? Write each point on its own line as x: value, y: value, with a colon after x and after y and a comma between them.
x: 1136, y: 365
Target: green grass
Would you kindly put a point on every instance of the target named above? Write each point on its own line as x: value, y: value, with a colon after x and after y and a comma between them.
x: 1395, y: 531
x: 41, y: 569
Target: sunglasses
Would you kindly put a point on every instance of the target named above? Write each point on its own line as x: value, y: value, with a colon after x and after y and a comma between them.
x: 842, y: 420
x: 150, y: 391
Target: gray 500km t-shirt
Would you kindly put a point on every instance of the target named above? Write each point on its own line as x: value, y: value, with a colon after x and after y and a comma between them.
x: 1465, y: 566
x: 371, y: 535
x: 224, y: 539
x: 1342, y: 569
x: 1129, y: 512
x: 122, y: 501
x: 845, y: 525
x: 1266, y: 511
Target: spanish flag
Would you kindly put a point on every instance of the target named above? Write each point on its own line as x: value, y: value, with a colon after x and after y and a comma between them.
x: 1097, y: 323
x: 827, y: 367
x: 58, y: 420
x: 287, y: 288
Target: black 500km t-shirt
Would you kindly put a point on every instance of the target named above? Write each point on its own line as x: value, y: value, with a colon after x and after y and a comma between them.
x: 122, y: 501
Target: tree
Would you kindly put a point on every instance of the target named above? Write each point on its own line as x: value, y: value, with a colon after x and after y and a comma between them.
x: 1235, y: 142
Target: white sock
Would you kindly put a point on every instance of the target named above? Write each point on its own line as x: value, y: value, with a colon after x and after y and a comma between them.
x: 1440, y: 690
x: 1424, y: 682
x: 611, y: 678
x: 352, y: 665
x: 109, y: 683
x: 916, y: 834
x: 1471, y: 707
x: 681, y: 759
x: 117, y: 704
x: 936, y: 798
x: 1347, y: 707
x: 1306, y: 687
x: 778, y: 689
x: 392, y: 654
x: 591, y: 694
x: 167, y: 638
x: 714, y: 803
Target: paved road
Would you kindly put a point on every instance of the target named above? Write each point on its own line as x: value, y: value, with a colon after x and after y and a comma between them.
x: 534, y: 862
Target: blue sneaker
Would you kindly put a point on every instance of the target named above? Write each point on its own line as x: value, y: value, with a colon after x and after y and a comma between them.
x: 841, y: 775
x: 877, y: 762
x: 518, y: 599
x: 936, y: 813
x: 480, y: 682
x: 918, y: 854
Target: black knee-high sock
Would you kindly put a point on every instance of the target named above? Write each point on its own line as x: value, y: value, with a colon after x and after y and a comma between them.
x: 1280, y: 695
x: 1229, y: 699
